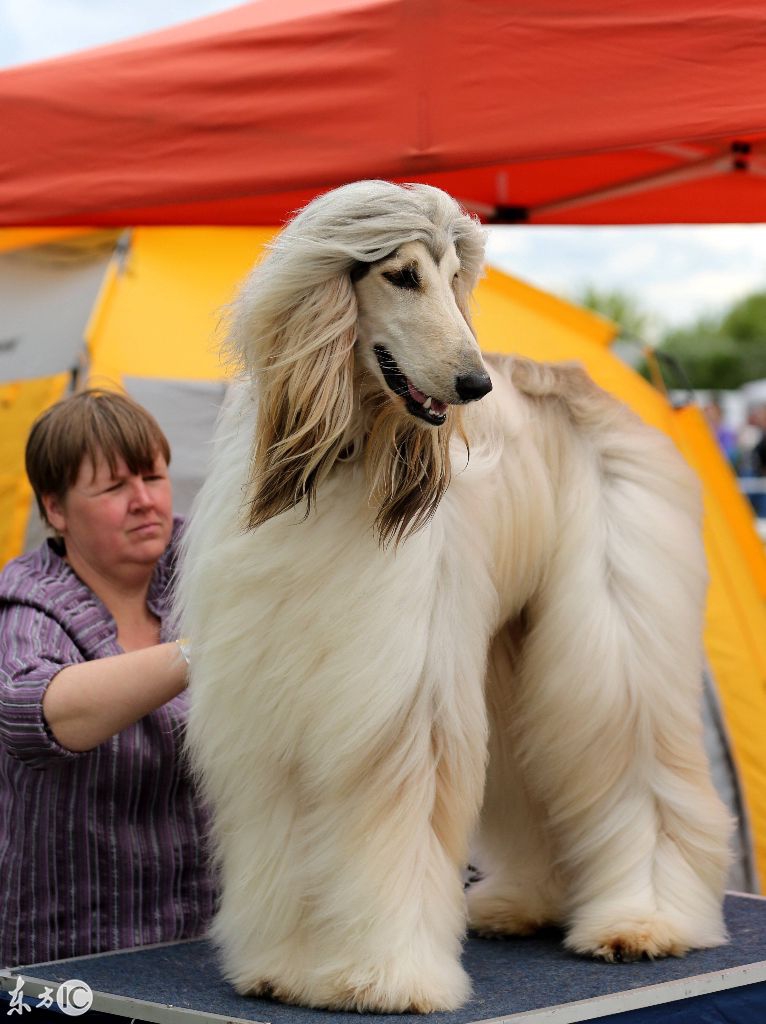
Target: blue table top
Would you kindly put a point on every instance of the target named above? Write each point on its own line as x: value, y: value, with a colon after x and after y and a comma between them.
x: 510, y: 976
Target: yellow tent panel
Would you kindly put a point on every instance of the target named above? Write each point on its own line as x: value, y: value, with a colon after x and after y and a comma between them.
x: 24, y: 238
x: 696, y: 440
x: 539, y: 309
x: 516, y: 318
x: 20, y: 404
x: 161, y: 309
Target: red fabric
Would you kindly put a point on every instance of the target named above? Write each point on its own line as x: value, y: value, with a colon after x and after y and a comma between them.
x: 240, y: 117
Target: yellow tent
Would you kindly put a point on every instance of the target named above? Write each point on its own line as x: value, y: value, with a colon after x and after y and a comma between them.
x: 158, y: 318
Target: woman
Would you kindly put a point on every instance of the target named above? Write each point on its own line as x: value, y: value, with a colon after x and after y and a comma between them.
x: 99, y: 830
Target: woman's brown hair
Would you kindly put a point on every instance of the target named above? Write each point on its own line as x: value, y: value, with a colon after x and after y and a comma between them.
x: 90, y: 424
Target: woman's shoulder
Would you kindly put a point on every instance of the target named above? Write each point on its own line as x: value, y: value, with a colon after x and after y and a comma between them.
x: 34, y: 573
x: 41, y: 583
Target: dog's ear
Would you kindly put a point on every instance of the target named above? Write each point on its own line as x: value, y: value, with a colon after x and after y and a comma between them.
x: 306, y: 399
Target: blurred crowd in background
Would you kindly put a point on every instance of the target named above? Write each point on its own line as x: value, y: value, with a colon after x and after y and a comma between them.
x: 738, y: 420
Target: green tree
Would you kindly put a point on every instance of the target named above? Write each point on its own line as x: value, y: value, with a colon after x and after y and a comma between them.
x: 637, y: 326
x: 746, y: 321
x: 714, y: 351
x: 621, y: 307
x: 723, y: 351
x: 708, y: 360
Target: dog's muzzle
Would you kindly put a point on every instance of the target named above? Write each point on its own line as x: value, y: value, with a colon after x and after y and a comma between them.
x: 469, y: 388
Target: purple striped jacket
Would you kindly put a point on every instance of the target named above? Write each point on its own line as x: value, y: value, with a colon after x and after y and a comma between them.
x: 103, y: 849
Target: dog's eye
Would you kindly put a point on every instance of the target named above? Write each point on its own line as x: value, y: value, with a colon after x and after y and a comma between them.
x: 407, y: 277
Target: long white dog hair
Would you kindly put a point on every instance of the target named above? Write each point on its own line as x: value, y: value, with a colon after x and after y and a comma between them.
x: 426, y: 615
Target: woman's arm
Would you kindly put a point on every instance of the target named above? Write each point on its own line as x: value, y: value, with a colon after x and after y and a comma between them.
x: 85, y: 704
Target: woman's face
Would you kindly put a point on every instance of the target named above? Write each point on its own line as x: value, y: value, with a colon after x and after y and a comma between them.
x: 113, y: 523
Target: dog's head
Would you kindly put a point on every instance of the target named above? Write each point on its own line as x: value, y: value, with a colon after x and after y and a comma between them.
x: 413, y: 331
x: 356, y: 329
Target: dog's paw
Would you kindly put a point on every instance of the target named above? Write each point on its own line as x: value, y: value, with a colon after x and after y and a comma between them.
x: 412, y: 984
x: 262, y: 988
x: 414, y: 998
x: 631, y: 939
x: 398, y: 990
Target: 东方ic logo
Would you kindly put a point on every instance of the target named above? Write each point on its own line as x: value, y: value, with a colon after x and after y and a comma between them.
x: 74, y: 997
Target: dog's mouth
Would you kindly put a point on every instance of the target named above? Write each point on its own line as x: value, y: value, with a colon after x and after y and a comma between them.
x: 425, y: 407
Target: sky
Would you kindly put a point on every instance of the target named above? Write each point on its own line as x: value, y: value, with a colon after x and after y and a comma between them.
x: 675, y: 273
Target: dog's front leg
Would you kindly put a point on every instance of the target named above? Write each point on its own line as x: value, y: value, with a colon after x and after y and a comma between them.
x: 342, y: 884
x: 377, y: 843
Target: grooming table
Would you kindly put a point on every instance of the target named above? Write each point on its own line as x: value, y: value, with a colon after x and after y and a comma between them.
x: 531, y: 980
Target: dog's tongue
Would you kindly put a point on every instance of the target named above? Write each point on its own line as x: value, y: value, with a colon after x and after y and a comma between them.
x: 435, y: 406
x: 417, y: 395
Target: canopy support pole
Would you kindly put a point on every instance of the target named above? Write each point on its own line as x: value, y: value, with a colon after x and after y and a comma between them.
x: 735, y: 159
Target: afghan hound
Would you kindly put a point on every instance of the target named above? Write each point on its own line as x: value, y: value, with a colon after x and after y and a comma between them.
x: 438, y: 602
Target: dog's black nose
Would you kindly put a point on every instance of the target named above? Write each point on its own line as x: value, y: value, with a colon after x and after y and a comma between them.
x: 470, y: 386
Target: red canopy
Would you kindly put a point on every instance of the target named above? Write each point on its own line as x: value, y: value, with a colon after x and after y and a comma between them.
x: 547, y: 111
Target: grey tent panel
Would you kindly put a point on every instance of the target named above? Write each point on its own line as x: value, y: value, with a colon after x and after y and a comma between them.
x: 187, y: 411
x: 45, y: 304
